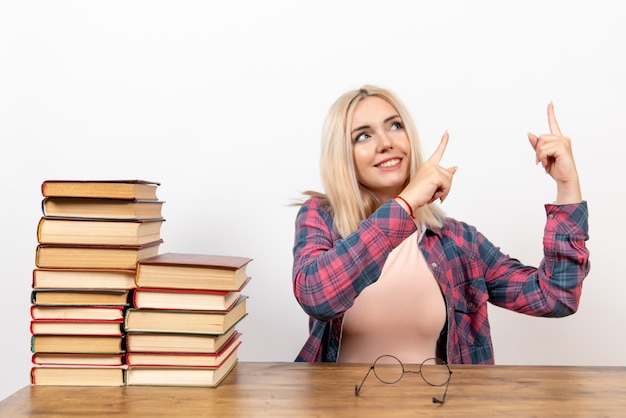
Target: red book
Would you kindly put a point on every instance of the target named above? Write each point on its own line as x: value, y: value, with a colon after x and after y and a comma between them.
x: 52, y: 375
x: 185, y: 299
x: 184, y: 359
x: 78, y: 359
x: 177, y: 342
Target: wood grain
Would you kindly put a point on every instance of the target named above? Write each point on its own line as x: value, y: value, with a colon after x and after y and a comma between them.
x: 320, y: 390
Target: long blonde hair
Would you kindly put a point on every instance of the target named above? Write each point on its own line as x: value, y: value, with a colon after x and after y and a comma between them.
x: 350, y: 201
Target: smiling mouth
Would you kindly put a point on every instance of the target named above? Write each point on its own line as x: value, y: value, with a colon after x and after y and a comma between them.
x: 389, y: 163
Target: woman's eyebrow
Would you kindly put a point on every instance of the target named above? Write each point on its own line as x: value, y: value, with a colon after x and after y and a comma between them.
x: 388, y: 119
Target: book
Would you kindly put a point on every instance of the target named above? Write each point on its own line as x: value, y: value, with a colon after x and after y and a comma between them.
x: 82, y: 359
x: 77, y: 344
x: 62, y: 296
x: 88, y: 278
x: 94, y: 256
x: 171, y: 321
x: 93, y: 231
x: 113, y: 189
x: 76, y: 327
x: 87, y: 312
x: 183, y: 359
x: 177, y: 342
x: 181, y: 376
x: 192, y: 271
x: 183, y: 299
x: 78, y: 207
x: 77, y: 375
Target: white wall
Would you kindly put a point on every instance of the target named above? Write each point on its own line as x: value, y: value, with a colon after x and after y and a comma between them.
x: 223, y: 103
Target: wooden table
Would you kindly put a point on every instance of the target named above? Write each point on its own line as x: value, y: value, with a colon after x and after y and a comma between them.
x: 319, y: 390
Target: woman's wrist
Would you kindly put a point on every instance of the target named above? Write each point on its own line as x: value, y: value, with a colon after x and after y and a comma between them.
x: 402, y: 201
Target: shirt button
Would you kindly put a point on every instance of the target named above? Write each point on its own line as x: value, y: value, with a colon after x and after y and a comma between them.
x: 551, y: 216
x: 434, y: 265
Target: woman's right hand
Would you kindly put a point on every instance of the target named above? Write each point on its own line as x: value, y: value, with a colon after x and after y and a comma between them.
x: 432, y: 181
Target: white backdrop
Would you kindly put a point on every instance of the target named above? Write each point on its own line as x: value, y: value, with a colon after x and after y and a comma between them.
x: 223, y: 102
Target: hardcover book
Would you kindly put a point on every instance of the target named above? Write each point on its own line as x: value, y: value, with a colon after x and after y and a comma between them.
x: 86, y: 312
x: 76, y: 359
x: 72, y: 207
x: 181, y: 376
x: 113, y: 189
x: 87, y: 278
x: 171, y: 321
x: 62, y: 296
x: 182, y: 359
x: 49, y: 375
x: 94, y: 256
x: 193, y: 271
x: 76, y: 327
x: 183, y: 299
x: 77, y: 344
x: 92, y: 231
x: 177, y: 342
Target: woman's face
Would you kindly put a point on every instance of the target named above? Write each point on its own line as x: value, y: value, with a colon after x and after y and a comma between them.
x: 381, y: 147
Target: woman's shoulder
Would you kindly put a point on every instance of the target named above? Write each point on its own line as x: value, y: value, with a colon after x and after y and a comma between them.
x: 314, y: 212
x: 316, y: 202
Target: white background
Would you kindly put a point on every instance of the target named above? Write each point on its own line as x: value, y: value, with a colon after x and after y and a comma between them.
x: 223, y: 103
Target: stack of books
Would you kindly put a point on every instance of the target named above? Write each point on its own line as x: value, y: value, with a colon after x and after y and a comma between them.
x: 181, y: 328
x: 91, y: 236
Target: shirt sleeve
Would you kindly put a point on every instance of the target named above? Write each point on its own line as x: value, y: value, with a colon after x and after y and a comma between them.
x: 329, y: 272
x: 555, y: 286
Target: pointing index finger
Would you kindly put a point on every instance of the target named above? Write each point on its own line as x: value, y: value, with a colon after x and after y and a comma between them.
x: 438, y: 154
x: 554, y: 126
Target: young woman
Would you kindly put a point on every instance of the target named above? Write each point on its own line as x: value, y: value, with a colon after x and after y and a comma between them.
x: 380, y: 270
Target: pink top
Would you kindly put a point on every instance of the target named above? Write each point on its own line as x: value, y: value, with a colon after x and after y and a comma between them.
x: 401, y: 314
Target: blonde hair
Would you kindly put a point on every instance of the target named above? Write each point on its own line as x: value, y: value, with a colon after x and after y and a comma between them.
x: 349, y: 200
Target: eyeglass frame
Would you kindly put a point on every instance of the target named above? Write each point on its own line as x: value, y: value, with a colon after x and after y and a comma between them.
x: 357, y: 388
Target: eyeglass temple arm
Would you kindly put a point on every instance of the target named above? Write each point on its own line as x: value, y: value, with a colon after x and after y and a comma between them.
x: 357, y: 388
x: 445, y: 392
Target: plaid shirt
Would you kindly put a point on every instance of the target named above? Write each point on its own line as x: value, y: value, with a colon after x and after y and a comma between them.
x: 329, y: 272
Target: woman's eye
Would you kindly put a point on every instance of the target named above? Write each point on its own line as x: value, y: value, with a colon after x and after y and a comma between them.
x: 396, y: 126
x: 361, y: 137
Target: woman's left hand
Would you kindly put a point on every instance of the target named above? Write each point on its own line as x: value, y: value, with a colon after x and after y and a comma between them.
x: 554, y: 152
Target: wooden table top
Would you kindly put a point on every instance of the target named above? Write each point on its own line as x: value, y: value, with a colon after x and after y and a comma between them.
x: 322, y: 389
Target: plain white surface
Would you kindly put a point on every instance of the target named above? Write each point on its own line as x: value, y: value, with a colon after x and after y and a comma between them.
x: 223, y: 103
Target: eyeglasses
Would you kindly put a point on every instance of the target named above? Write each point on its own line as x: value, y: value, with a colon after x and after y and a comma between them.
x: 389, y: 370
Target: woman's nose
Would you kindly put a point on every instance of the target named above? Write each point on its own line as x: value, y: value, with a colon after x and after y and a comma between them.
x: 384, y: 141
